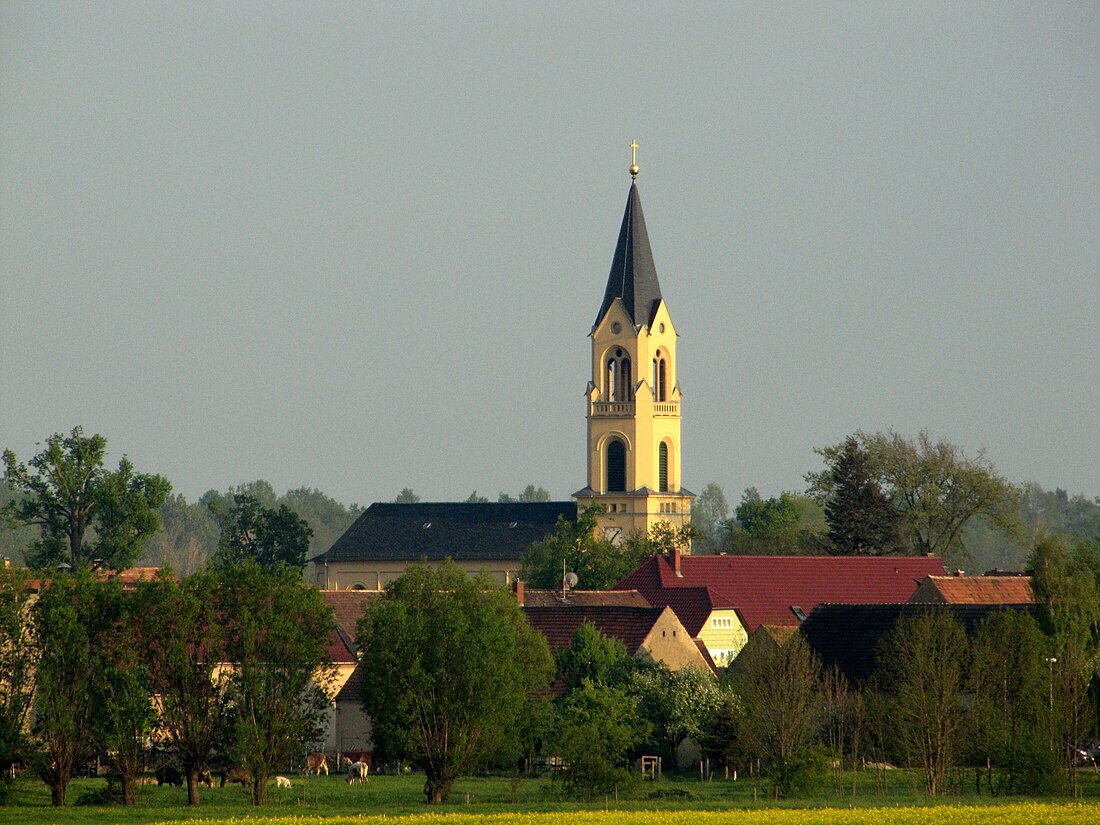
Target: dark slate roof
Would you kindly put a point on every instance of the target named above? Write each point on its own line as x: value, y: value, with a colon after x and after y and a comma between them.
x: 848, y: 635
x: 633, y: 275
x: 460, y: 531
x: 765, y: 589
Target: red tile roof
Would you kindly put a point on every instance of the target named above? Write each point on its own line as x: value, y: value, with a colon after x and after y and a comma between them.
x: 630, y: 625
x: 347, y: 606
x: 764, y: 589
x: 584, y: 598
x: 979, y: 589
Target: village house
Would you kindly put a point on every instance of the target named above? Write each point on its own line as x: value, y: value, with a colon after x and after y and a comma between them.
x: 721, y: 600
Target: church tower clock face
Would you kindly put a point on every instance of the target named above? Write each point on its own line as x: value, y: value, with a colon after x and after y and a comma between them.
x: 633, y: 397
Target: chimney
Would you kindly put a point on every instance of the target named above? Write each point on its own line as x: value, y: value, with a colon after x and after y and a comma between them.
x: 958, y: 574
x: 676, y: 561
x: 517, y: 587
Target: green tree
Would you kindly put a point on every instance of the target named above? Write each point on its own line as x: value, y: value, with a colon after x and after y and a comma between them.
x: 708, y: 511
x: 187, y: 646
x: 1069, y: 606
x: 529, y: 493
x: 924, y: 659
x: 278, y: 634
x: 18, y: 668
x: 861, y: 518
x: 474, y: 498
x: 578, y: 545
x: 789, y: 524
x: 67, y: 494
x: 270, y: 537
x: 65, y: 620
x: 123, y: 715
x: 934, y: 487
x: 14, y: 538
x: 1008, y: 686
x: 722, y: 738
x: 453, y: 664
x: 187, y: 539
x: 407, y: 496
x: 778, y: 687
x: 677, y: 704
x: 591, y: 655
x: 599, y: 726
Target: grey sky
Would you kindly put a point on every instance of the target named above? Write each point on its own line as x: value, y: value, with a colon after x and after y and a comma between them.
x: 360, y: 247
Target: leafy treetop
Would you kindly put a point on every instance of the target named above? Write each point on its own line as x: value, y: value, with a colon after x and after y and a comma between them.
x: 87, y: 516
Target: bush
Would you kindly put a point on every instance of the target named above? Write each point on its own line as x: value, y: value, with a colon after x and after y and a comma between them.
x: 109, y: 795
x: 1026, y: 766
x: 801, y: 775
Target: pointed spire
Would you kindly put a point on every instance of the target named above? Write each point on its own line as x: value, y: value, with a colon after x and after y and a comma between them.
x: 633, y: 274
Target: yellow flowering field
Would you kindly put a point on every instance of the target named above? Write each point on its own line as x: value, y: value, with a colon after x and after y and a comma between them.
x: 1027, y: 813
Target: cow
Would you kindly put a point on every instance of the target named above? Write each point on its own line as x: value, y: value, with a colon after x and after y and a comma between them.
x: 315, y: 763
x: 357, y: 772
x: 167, y: 775
x: 235, y: 773
x: 282, y: 782
x: 205, y: 778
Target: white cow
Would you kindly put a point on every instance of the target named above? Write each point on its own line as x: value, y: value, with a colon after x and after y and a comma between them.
x: 282, y: 782
x: 357, y: 772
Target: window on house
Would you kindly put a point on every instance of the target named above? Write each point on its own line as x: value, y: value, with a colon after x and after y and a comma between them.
x: 662, y: 467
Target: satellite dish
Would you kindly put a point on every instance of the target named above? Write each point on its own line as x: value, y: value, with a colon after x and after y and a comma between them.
x: 571, y: 580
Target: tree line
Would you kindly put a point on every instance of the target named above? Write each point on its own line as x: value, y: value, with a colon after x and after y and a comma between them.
x: 884, y: 493
x: 235, y: 655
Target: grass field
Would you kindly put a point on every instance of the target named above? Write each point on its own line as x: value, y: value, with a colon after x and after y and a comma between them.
x: 500, y: 801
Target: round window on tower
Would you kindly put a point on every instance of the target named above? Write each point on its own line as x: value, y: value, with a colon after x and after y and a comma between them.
x: 662, y: 327
x: 616, y: 327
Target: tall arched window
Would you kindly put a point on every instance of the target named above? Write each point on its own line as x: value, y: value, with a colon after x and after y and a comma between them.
x: 612, y: 380
x: 616, y: 466
x: 662, y: 467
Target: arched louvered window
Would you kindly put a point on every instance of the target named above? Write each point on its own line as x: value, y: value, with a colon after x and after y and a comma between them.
x: 624, y: 379
x: 660, y: 378
x: 662, y: 467
x: 618, y: 377
x: 616, y: 466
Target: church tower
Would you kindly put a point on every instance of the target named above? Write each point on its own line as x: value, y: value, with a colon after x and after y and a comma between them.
x: 633, y: 398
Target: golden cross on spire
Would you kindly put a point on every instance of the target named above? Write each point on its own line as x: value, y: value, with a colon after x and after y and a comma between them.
x: 633, y: 160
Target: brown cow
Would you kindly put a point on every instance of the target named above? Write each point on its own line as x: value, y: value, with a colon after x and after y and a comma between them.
x: 315, y: 763
x: 205, y: 778
x: 242, y: 776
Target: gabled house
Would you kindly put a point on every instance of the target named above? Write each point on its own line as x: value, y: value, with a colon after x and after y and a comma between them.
x: 348, y: 728
x: 723, y: 599
x: 651, y: 633
x: 479, y: 538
